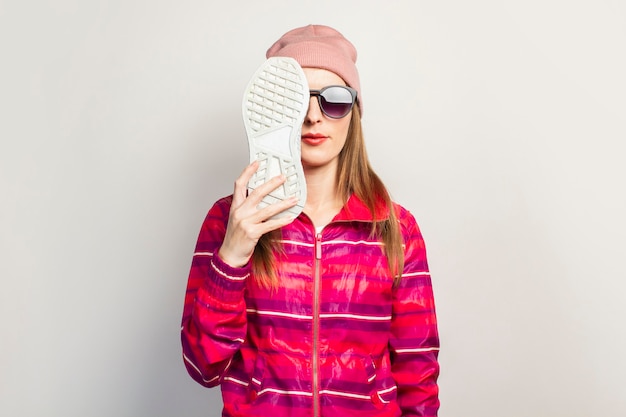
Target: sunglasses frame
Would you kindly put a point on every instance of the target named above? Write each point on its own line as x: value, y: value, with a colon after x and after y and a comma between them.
x: 318, y: 94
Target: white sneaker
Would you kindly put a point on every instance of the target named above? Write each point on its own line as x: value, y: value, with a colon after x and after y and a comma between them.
x: 274, y: 106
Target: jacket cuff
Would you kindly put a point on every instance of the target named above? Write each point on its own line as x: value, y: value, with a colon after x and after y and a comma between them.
x: 226, y: 283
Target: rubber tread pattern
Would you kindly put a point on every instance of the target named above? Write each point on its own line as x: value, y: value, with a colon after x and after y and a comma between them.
x: 274, y: 106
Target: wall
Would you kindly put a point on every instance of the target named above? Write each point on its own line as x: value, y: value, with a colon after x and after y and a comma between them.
x: 499, y: 124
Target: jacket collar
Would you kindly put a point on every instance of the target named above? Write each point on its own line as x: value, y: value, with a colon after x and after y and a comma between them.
x: 356, y: 210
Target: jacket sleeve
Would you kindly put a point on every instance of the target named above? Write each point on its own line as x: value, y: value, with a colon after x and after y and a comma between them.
x: 414, y: 340
x: 214, y: 313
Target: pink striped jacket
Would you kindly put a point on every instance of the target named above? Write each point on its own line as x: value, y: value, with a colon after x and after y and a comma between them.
x: 335, y: 339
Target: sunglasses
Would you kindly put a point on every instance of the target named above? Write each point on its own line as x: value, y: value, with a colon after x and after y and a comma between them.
x: 335, y: 101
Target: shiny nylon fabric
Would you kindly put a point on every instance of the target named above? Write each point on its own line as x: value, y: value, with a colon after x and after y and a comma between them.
x: 377, y: 344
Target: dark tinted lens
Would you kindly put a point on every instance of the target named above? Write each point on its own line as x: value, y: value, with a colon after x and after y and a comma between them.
x: 336, y: 110
x: 336, y: 101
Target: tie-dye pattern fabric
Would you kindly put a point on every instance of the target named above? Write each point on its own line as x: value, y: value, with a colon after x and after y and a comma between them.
x: 336, y: 338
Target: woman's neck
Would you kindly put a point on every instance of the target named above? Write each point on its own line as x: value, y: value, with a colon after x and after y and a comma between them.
x: 323, y: 201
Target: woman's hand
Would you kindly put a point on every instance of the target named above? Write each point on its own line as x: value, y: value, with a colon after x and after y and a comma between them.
x: 246, y: 223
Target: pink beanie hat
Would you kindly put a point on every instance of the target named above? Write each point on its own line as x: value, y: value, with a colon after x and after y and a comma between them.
x: 318, y: 46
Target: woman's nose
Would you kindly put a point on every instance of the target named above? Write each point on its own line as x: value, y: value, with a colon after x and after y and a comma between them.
x: 314, y: 113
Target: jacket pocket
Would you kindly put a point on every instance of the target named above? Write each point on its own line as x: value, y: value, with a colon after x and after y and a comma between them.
x: 370, y: 370
x: 385, y: 389
x: 350, y: 381
x: 256, y: 379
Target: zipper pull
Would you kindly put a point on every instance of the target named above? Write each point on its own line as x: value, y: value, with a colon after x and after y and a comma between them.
x: 318, y: 246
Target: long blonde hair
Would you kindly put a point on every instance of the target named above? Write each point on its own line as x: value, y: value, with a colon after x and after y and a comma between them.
x: 355, y: 176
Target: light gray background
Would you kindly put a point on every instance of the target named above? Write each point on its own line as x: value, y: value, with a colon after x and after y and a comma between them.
x: 500, y: 125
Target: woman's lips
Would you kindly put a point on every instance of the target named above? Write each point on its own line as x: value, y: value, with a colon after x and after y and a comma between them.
x: 314, y: 139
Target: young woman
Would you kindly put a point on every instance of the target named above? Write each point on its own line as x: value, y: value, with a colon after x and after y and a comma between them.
x: 327, y: 313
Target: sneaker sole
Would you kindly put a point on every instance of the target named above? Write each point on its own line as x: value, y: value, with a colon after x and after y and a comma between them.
x: 275, y: 103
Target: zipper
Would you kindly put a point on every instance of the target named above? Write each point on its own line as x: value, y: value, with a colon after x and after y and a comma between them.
x: 316, y: 324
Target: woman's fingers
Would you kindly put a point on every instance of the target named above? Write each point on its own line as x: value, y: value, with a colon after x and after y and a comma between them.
x: 245, y: 229
x: 264, y: 189
x: 260, y: 221
x: 273, y: 224
x: 240, y: 194
x: 241, y: 184
x: 266, y: 214
x: 247, y: 223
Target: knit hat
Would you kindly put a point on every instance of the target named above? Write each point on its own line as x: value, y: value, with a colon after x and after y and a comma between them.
x: 318, y: 46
